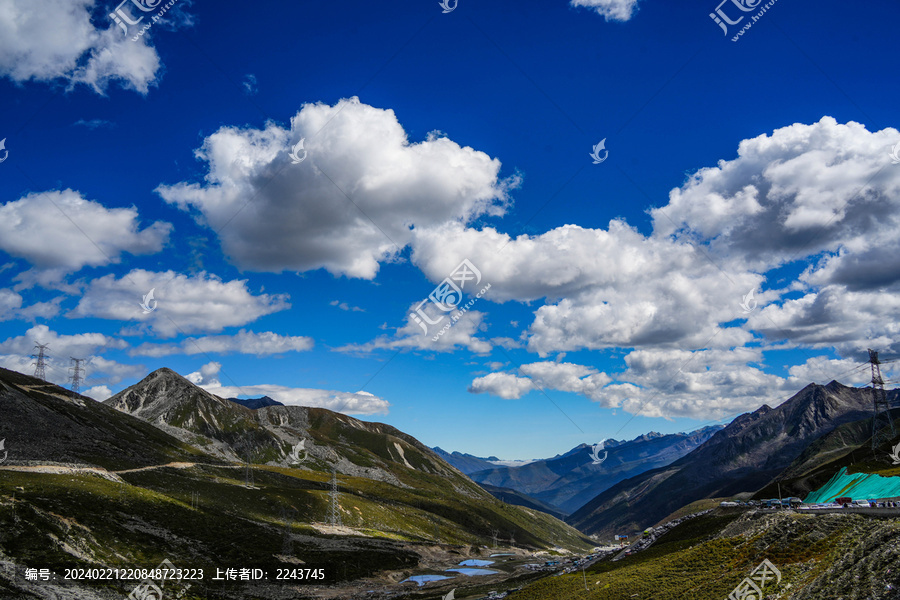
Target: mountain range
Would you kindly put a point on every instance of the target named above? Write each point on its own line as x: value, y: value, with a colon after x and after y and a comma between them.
x: 166, y: 470
x: 741, y: 458
x: 566, y: 482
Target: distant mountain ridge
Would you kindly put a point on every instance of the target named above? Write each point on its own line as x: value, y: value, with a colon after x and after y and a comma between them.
x: 743, y: 457
x: 568, y: 481
x: 256, y: 403
x: 467, y: 463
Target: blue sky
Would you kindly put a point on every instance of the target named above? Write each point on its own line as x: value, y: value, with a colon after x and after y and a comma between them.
x: 759, y: 165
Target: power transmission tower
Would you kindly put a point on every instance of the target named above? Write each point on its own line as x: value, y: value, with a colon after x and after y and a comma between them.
x: 494, y: 534
x: 334, y: 510
x: 882, y: 424
x: 41, y: 360
x: 512, y: 539
x: 78, y: 375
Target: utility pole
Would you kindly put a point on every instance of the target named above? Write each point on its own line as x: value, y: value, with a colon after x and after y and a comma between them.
x: 41, y: 360
x: 882, y: 424
x: 78, y: 375
x: 334, y: 509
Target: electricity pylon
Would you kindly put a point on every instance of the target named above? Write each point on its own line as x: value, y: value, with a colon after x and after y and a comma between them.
x: 882, y: 424
x: 41, y: 360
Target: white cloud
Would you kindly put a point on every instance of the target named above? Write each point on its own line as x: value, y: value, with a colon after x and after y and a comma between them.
x: 184, y: 303
x: 644, y: 291
x: 47, y: 40
x: 546, y: 375
x: 611, y: 10
x: 98, y: 393
x: 503, y: 385
x: 669, y: 383
x: 244, y: 342
x: 790, y: 195
x: 345, y: 306
x: 437, y: 337
x: 10, y: 303
x: 84, y: 233
x: 351, y: 403
x: 300, y: 217
x: 782, y: 200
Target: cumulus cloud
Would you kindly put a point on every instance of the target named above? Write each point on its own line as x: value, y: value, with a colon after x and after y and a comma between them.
x: 48, y: 40
x: 611, y: 10
x: 703, y: 384
x: 643, y: 291
x: 439, y: 333
x: 824, y: 194
x: 546, y: 375
x: 98, y: 393
x: 503, y: 385
x: 183, y: 303
x: 803, y: 190
x: 351, y: 403
x: 84, y: 232
x: 353, y: 201
x: 244, y: 342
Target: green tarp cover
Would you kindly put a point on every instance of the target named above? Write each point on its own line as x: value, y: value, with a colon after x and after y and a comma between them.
x: 859, y: 486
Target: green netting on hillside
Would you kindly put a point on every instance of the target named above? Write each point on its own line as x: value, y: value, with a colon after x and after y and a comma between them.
x: 859, y: 486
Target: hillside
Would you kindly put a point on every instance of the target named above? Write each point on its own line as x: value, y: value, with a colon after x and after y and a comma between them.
x: 44, y: 422
x: 144, y: 495
x: 818, y: 557
x: 511, y: 496
x: 743, y: 457
x: 568, y: 481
